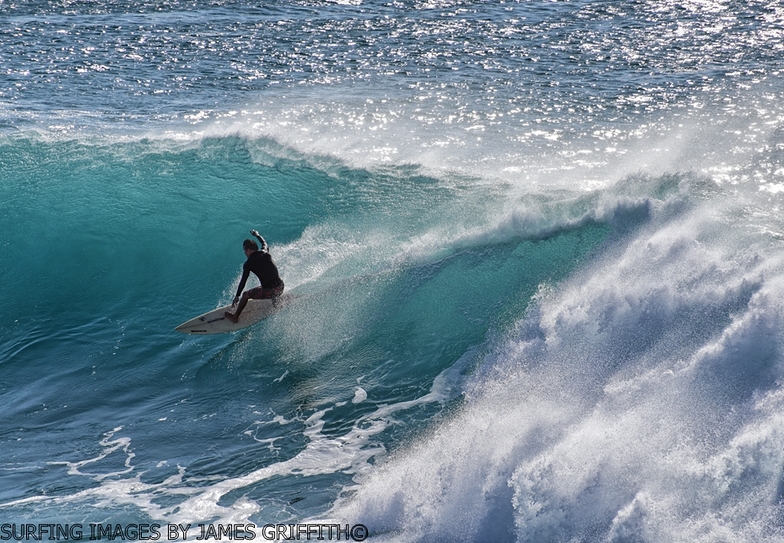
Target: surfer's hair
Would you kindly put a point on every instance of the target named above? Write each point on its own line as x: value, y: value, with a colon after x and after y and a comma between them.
x: 250, y: 244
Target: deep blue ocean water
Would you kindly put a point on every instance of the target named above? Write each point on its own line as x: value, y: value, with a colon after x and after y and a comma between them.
x: 538, y: 247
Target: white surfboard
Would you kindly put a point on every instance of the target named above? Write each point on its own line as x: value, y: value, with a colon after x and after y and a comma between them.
x: 214, y: 322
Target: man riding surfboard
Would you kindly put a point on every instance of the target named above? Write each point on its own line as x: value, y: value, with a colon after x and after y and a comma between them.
x: 260, y: 263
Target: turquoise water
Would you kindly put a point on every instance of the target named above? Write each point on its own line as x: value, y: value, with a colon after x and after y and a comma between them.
x: 537, y: 248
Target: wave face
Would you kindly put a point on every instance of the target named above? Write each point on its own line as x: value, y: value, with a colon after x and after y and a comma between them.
x: 537, y: 249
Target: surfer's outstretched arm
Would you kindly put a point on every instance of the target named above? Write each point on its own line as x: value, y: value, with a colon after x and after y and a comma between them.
x: 264, y: 247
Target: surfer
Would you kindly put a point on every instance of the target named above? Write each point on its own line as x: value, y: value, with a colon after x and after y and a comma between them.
x: 259, y: 262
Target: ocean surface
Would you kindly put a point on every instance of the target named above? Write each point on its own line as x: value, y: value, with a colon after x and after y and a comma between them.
x: 538, y: 249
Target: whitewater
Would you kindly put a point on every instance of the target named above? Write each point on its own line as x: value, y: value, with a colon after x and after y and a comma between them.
x: 537, y: 248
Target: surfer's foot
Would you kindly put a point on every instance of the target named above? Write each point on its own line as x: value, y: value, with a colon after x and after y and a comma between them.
x: 231, y: 317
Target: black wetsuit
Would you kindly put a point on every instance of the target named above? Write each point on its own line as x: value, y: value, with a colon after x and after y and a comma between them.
x: 260, y: 263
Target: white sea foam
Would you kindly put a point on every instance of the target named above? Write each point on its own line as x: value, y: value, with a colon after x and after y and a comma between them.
x: 639, y: 401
